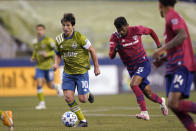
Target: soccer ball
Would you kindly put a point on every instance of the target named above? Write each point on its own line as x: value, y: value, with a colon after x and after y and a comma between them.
x: 69, y: 119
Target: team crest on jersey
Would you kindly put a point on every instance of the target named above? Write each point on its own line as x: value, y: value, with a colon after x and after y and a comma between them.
x: 135, y: 37
x: 74, y: 45
x: 123, y: 40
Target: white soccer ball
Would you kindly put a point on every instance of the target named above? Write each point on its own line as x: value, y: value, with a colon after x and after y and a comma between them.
x: 69, y: 119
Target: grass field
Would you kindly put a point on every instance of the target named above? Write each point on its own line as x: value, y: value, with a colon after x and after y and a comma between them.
x: 108, y: 113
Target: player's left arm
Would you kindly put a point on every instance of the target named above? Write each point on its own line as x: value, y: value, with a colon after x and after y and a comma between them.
x: 92, y: 51
x: 149, y: 31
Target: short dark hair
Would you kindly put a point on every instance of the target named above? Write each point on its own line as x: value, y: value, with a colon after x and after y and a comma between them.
x: 168, y: 2
x: 68, y: 17
x: 41, y: 25
x: 120, y: 22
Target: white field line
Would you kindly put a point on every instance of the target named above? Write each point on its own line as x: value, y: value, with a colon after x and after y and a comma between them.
x: 123, y: 115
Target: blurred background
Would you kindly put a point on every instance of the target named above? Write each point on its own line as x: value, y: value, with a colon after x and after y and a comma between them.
x: 94, y: 18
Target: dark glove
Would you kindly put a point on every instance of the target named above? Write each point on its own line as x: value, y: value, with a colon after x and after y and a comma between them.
x: 118, y: 47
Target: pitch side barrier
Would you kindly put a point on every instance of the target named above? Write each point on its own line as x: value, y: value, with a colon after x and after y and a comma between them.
x: 17, y: 78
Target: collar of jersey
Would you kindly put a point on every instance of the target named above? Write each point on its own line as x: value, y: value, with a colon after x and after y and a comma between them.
x: 41, y: 38
x: 68, y: 37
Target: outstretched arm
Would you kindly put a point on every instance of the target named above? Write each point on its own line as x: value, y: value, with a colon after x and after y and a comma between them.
x: 177, y: 40
x: 154, y: 36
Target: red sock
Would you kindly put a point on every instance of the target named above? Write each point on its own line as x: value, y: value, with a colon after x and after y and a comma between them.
x: 186, y: 120
x: 187, y: 106
x: 140, y: 97
x: 155, y: 98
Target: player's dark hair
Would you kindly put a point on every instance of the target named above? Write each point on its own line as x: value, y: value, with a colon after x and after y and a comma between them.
x: 41, y: 25
x: 68, y: 17
x: 168, y: 2
x: 120, y: 22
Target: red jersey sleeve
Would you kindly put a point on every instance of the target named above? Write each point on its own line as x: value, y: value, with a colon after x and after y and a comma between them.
x: 113, y: 41
x: 176, y: 23
x: 141, y: 30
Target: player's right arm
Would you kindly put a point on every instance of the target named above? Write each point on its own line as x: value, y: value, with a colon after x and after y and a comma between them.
x: 57, y: 58
x: 112, y: 52
x: 34, y: 54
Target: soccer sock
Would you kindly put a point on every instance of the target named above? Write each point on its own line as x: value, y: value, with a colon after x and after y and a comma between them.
x: 0, y: 114
x: 140, y: 97
x: 155, y: 98
x: 187, y: 106
x: 186, y: 120
x: 76, y: 109
x: 40, y: 93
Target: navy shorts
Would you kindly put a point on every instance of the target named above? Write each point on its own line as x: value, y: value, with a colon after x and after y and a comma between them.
x: 81, y: 81
x: 180, y: 81
x: 47, y: 74
x: 142, y: 70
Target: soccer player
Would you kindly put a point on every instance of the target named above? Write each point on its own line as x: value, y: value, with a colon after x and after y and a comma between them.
x: 127, y: 42
x: 74, y: 48
x: 180, y: 63
x: 43, y: 55
x: 6, y: 117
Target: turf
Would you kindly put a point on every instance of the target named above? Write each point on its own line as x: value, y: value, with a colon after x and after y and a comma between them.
x: 114, y: 112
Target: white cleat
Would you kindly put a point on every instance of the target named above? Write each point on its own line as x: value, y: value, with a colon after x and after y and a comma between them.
x: 40, y: 107
x: 143, y: 115
x: 164, y: 107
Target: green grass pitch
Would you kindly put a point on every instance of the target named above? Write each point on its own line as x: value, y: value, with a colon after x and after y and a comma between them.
x: 108, y: 113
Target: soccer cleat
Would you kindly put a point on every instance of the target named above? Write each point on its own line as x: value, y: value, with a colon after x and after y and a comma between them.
x: 59, y: 90
x: 40, y: 106
x: 82, y: 124
x: 143, y: 115
x: 7, y: 119
x: 164, y: 107
x: 91, y: 98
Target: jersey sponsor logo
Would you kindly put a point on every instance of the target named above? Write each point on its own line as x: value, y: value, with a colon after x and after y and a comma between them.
x: 59, y: 38
x: 74, y: 45
x: 132, y: 43
x: 174, y: 21
x: 135, y: 37
x: 70, y: 54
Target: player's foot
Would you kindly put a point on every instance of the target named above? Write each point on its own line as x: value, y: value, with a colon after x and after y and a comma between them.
x: 82, y: 124
x: 40, y: 106
x: 91, y: 98
x: 59, y: 90
x: 164, y: 107
x: 8, y: 119
x: 143, y: 115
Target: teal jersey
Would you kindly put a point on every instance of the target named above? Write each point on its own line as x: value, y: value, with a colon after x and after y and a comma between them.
x: 74, y: 51
x: 45, y: 44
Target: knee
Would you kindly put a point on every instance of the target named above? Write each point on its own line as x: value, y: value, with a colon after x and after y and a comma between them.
x: 173, y: 105
x: 83, y: 99
x: 69, y: 99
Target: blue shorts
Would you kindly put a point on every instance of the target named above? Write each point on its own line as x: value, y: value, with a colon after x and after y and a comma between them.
x: 180, y: 81
x: 81, y: 81
x: 142, y: 70
x: 47, y: 74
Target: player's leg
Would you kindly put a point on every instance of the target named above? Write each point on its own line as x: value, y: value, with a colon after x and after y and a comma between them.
x: 180, y: 89
x: 174, y: 100
x: 135, y: 82
x: 40, y: 81
x: 83, y: 93
x: 7, y: 118
x: 155, y: 98
x: 49, y: 76
x: 69, y: 86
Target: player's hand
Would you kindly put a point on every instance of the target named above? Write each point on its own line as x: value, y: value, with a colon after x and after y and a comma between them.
x: 44, y: 54
x: 55, y: 67
x: 157, y: 63
x: 118, y: 47
x: 31, y: 59
x: 158, y: 52
x: 96, y: 71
